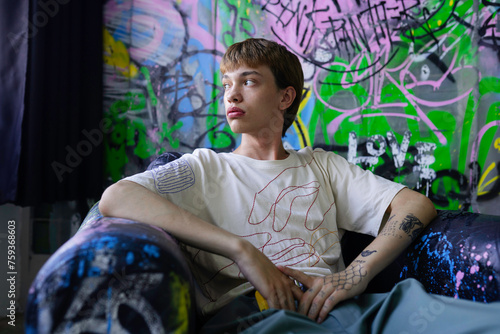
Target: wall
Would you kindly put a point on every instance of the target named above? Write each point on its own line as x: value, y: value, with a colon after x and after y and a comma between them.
x: 407, y: 89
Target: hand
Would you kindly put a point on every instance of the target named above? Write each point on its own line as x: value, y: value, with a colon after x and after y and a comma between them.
x: 277, y: 288
x: 325, y: 292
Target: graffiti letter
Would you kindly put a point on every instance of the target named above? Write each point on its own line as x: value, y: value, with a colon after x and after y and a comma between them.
x: 370, y: 145
x: 424, y: 159
x: 353, y: 151
x: 399, y: 152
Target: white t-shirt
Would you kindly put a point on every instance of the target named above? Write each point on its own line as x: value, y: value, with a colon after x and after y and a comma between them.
x: 294, y: 210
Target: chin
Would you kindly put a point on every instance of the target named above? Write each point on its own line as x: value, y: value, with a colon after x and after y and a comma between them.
x: 236, y: 129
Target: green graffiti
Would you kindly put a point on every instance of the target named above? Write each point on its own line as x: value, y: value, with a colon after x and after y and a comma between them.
x: 128, y: 132
x: 436, y: 79
x: 149, y: 86
x: 490, y: 136
x: 489, y: 85
x: 116, y: 159
x: 137, y: 137
x: 466, y: 130
x: 447, y: 126
x: 166, y: 133
x: 236, y: 17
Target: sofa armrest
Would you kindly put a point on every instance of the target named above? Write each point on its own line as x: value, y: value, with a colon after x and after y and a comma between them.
x: 114, y: 275
x: 457, y: 255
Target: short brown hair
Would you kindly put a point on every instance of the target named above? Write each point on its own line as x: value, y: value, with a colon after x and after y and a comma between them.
x: 284, y: 65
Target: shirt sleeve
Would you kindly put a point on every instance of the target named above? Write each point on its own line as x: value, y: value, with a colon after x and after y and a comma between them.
x: 361, y: 197
x: 167, y: 179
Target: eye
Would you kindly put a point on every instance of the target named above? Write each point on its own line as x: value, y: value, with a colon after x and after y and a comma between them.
x: 225, y: 86
x: 249, y: 82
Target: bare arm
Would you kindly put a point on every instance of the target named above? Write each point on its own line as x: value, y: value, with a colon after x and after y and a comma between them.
x: 129, y: 200
x: 408, y: 214
x: 126, y: 199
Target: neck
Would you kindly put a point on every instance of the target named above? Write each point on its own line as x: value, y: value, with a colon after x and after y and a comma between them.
x: 261, y: 150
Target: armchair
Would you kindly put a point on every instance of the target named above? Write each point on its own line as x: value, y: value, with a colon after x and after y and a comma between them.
x: 118, y: 275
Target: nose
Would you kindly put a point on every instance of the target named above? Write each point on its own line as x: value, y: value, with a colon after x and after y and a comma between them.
x: 233, y: 94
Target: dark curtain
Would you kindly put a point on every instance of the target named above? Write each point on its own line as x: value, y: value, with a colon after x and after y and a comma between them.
x: 13, y: 58
x: 63, y: 126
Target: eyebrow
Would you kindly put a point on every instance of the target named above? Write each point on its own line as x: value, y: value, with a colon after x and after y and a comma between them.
x: 244, y: 74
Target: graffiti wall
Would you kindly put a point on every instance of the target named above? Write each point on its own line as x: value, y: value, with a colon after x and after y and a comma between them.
x: 408, y: 89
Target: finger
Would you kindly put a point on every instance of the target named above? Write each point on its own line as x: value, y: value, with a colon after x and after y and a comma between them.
x: 329, y: 304
x: 287, y: 302
x: 327, y: 295
x: 273, y: 301
x: 284, y: 298
x: 291, y: 292
x: 336, y: 297
x: 306, y: 301
x: 317, y: 304
x: 294, y: 292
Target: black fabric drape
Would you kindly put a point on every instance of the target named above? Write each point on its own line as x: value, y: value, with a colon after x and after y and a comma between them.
x: 13, y: 58
x: 63, y: 129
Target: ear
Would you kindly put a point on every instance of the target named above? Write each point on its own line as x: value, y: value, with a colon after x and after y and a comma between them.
x: 287, y: 98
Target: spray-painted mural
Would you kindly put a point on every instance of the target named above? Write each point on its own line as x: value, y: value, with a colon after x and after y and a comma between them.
x: 407, y: 89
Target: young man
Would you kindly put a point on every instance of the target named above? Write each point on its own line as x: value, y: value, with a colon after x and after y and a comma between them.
x: 262, y: 216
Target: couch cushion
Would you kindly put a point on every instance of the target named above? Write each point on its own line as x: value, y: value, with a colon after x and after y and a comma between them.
x: 458, y: 255
x: 114, y: 276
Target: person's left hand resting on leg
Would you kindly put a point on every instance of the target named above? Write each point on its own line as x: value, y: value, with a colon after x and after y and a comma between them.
x: 323, y: 293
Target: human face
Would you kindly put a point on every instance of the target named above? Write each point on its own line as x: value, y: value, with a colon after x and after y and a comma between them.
x: 254, y: 104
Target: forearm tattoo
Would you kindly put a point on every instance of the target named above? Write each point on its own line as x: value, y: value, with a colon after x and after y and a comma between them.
x: 346, y: 279
x: 412, y: 226
x: 343, y: 280
x: 367, y: 252
x: 390, y: 229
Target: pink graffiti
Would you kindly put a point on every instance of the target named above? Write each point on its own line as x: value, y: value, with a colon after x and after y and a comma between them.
x: 375, y: 86
x: 415, y: 101
x: 370, y: 49
x: 474, y: 269
x: 479, y: 137
x: 460, y: 276
x: 415, y: 118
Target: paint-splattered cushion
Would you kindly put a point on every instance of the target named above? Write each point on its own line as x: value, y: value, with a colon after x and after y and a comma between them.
x: 457, y: 255
x: 113, y: 276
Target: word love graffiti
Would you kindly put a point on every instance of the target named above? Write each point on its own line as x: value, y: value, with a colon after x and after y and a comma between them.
x: 422, y: 158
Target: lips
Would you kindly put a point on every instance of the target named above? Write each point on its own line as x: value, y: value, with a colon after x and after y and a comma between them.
x: 235, y: 112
